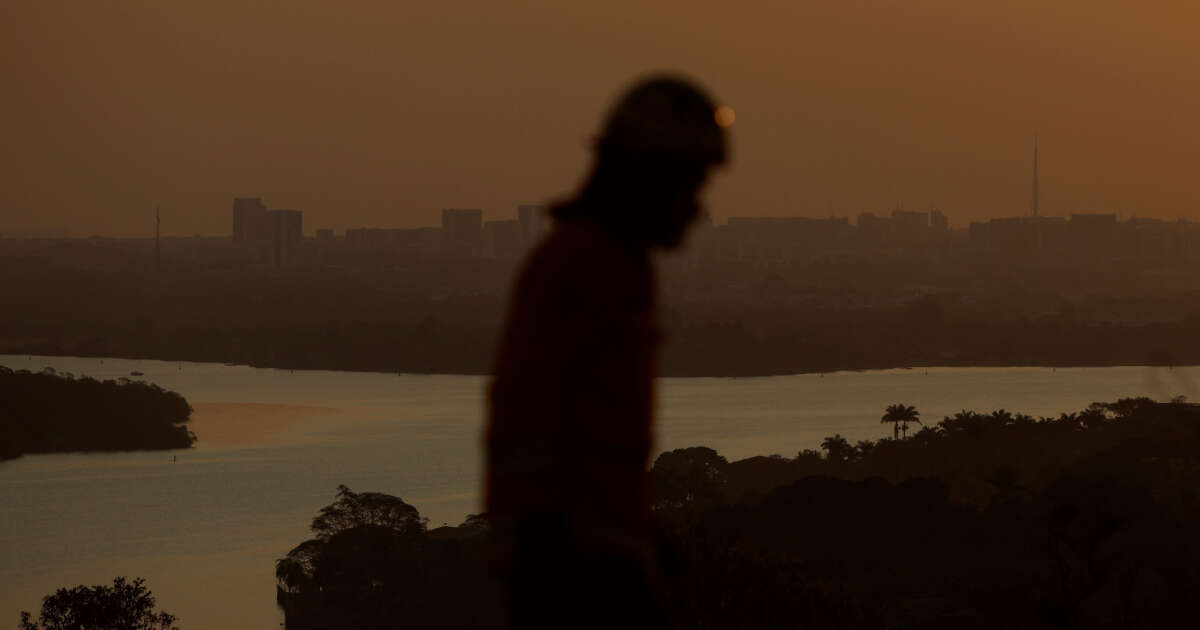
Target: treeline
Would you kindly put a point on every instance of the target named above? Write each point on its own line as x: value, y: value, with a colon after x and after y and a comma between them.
x: 49, y: 412
x: 446, y: 320
x: 427, y: 321
x: 997, y: 520
x: 993, y: 520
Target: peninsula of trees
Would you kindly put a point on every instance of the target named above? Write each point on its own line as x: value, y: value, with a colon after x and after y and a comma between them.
x: 981, y: 520
x: 49, y: 412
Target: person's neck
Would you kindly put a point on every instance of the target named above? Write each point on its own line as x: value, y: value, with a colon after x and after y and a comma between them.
x: 620, y: 230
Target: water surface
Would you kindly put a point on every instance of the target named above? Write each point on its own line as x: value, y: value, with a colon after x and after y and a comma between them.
x: 205, y: 525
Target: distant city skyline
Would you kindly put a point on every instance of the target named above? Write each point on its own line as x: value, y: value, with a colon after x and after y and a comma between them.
x: 954, y: 222
x: 368, y: 117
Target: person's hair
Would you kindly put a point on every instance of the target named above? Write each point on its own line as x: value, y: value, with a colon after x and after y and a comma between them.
x: 663, y: 117
x: 662, y: 130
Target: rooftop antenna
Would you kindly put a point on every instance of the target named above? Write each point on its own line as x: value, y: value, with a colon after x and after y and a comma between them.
x: 1035, y: 174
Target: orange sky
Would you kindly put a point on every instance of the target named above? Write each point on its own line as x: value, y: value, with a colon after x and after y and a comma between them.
x: 384, y: 114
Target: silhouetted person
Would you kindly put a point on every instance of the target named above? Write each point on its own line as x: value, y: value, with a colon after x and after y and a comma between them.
x: 571, y: 404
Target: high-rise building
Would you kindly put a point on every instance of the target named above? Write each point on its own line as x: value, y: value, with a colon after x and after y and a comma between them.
x: 938, y: 220
x: 285, y: 228
x: 248, y: 216
x: 873, y: 231
x: 272, y: 236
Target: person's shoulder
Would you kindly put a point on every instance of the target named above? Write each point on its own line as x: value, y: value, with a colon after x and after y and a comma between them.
x: 583, y: 266
x: 575, y: 267
x: 580, y: 253
x: 594, y: 243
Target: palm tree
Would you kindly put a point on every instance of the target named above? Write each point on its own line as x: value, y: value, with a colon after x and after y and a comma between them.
x: 837, y: 448
x: 900, y: 415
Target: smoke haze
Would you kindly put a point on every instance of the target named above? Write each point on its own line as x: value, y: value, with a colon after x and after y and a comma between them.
x: 382, y: 114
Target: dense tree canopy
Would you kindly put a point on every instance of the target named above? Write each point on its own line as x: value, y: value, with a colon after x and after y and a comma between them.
x: 123, y: 606
x: 48, y: 412
x: 1084, y: 520
x: 373, y: 563
x: 982, y: 520
x: 688, y: 476
x: 355, y: 509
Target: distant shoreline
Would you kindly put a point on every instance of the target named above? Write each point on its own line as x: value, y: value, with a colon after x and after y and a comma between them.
x: 665, y: 374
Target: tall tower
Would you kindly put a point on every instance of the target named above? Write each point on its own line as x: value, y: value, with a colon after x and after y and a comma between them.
x: 1035, y: 175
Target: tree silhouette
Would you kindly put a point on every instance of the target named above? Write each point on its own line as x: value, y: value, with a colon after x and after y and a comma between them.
x: 123, y: 606
x: 352, y: 516
x: 900, y: 415
x: 355, y: 509
x: 688, y: 476
x: 838, y: 448
x: 364, y: 553
x: 373, y: 564
x: 1082, y: 525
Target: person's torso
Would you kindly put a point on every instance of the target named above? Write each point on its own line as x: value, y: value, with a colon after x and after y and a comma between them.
x: 571, y: 402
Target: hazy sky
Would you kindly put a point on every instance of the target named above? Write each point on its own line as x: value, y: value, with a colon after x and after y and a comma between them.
x: 381, y: 113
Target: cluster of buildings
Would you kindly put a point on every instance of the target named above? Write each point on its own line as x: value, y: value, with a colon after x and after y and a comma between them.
x: 797, y: 239
x: 1080, y: 239
x: 463, y: 234
x: 1087, y: 238
x: 272, y: 236
x: 275, y: 237
x: 1083, y: 238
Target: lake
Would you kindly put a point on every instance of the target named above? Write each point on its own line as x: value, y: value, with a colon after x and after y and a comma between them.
x: 205, y: 525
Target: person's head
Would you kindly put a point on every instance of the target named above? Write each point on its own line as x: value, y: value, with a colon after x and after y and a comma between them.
x: 651, y: 159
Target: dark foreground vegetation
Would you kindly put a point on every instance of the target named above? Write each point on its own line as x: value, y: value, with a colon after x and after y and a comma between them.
x: 372, y: 563
x: 997, y: 520
x: 48, y: 412
x: 123, y: 606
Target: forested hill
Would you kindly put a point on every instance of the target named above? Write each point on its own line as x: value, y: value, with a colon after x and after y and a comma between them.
x: 981, y: 520
x: 49, y: 412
